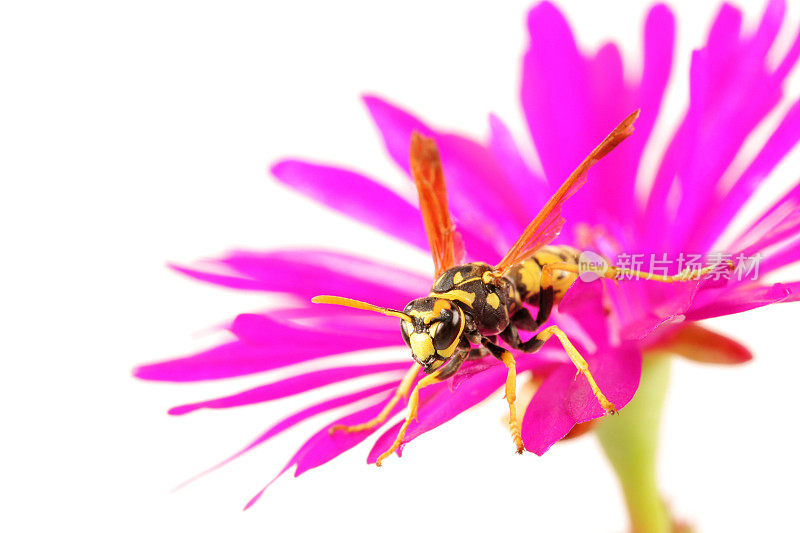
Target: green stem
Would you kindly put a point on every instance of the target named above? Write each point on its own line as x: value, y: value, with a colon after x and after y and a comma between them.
x: 630, y: 441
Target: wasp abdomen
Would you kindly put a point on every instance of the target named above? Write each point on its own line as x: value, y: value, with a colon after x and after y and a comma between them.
x: 527, y: 275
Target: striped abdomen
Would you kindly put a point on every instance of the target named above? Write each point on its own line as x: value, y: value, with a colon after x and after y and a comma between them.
x: 527, y: 275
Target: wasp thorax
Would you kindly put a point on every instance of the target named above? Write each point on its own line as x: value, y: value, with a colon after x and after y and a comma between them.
x: 434, y: 331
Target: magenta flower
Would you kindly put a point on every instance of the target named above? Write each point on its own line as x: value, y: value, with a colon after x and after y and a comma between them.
x: 571, y: 100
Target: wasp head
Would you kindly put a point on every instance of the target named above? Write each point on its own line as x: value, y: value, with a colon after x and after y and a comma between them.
x: 433, y: 332
x: 431, y: 326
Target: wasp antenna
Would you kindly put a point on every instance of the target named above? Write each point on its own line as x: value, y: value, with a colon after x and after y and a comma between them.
x: 347, y: 302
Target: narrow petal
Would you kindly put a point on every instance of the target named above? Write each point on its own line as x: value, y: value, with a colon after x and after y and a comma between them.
x: 610, y: 190
x: 787, y: 255
x: 782, y: 140
x: 697, y: 343
x: 659, y: 44
x: 322, y: 446
x: 571, y: 101
x: 495, y: 217
x: 261, y: 329
x: 238, y: 358
x: 289, y: 387
x: 477, y: 184
x: 295, y: 419
x: 738, y: 300
x: 396, y: 126
x: 346, y: 192
x: 785, y: 229
x: 790, y: 59
x: 731, y: 91
x: 523, y: 182
x: 306, y: 273
x: 555, y: 93
x: 778, y: 223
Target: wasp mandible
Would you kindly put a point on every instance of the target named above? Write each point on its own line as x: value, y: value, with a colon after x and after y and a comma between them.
x: 471, y: 305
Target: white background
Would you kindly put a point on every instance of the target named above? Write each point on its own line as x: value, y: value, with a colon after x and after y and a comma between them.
x: 137, y: 134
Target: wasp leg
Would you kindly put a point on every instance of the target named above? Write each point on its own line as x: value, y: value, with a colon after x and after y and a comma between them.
x: 511, y: 336
x: 547, y: 296
x: 413, y: 402
x: 511, y: 389
x: 523, y: 320
x: 478, y: 353
x: 401, y: 392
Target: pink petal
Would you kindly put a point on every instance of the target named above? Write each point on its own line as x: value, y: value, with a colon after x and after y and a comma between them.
x: 289, y: 387
x: 697, y: 343
x: 357, y: 197
x: 494, y: 217
x: 615, y: 205
x: 662, y: 305
x: 262, y: 329
x: 731, y: 92
x: 659, y: 42
x: 322, y: 446
x: 295, y: 419
x: 785, y: 256
x: 298, y: 417
x: 442, y: 404
x: 778, y: 225
x: 307, y: 273
x: 564, y: 400
x: 585, y: 302
x: 427, y: 398
x: 395, y: 126
x: 783, y: 139
x: 786, y: 228
x: 611, y: 101
x: 523, y: 182
x: 739, y: 299
x: 555, y: 93
x: 547, y: 419
x: 239, y: 358
x: 562, y: 88
x: 789, y: 60
x: 470, y: 167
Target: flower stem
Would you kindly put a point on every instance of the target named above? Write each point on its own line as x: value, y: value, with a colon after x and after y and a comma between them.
x: 630, y: 441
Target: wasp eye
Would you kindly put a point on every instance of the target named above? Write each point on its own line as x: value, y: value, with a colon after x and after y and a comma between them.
x: 404, y: 333
x: 447, y: 331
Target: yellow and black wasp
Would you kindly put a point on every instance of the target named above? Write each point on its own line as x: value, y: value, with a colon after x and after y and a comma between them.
x: 471, y: 305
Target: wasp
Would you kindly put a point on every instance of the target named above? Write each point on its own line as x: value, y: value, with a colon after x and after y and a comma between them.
x: 471, y: 305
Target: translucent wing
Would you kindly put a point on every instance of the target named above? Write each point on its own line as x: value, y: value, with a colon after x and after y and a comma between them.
x: 548, y: 223
x: 446, y: 245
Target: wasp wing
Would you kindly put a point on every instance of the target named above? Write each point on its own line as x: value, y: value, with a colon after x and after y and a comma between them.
x: 447, y: 248
x: 548, y: 223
